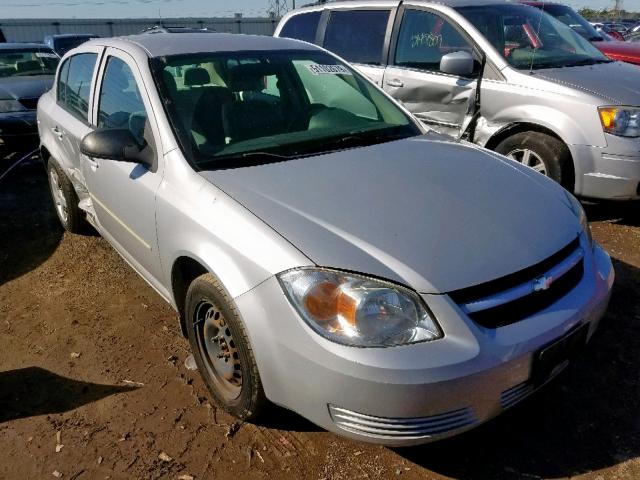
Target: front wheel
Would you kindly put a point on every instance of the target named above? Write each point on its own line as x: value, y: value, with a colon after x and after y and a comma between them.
x: 221, y: 349
x: 543, y: 153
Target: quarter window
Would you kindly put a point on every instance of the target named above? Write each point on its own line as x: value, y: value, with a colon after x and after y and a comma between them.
x: 357, y: 35
x: 302, y: 27
x: 121, y: 104
x: 74, y: 84
x: 424, y: 39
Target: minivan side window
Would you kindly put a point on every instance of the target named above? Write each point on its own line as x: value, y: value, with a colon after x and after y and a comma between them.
x: 357, y: 35
x: 74, y: 84
x: 121, y: 104
x: 302, y: 27
x: 423, y: 40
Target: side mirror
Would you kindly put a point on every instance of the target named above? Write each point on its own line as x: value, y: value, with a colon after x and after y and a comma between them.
x: 115, y: 144
x: 460, y: 64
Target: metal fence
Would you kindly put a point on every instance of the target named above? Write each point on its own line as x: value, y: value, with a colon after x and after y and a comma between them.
x: 27, y: 30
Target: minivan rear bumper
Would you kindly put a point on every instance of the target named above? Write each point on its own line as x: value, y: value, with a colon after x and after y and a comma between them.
x: 611, y: 173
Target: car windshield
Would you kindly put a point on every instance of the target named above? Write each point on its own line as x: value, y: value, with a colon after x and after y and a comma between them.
x: 233, y: 108
x: 530, y: 39
x: 22, y: 62
x: 570, y: 17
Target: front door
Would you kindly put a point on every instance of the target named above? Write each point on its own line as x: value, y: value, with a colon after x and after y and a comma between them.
x: 441, y: 101
x: 124, y: 194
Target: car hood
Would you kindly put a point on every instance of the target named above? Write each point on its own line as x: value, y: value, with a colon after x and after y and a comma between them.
x: 435, y: 215
x: 615, y: 82
x: 623, y: 51
x: 24, y: 87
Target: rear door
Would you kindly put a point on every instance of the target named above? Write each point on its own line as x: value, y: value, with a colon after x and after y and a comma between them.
x: 360, y: 36
x: 69, y: 120
x: 421, y: 38
x: 123, y: 193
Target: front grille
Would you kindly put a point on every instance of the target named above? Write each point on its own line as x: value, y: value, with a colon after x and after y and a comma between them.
x: 513, y: 395
x: 515, y: 297
x: 402, y: 428
x: 29, y: 103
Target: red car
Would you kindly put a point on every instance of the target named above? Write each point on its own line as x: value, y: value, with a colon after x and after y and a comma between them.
x: 622, y: 51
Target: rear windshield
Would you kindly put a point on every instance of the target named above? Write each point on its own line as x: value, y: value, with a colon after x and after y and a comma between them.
x: 530, y: 39
x: 226, y: 108
x: 24, y: 62
x: 570, y: 17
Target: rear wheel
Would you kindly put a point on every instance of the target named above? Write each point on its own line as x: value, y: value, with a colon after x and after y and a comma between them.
x: 221, y: 349
x: 541, y: 152
x: 65, y: 199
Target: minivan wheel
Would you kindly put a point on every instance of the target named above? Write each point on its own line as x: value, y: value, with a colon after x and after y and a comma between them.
x: 221, y: 349
x: 542, y: 152
x: 65, y: 199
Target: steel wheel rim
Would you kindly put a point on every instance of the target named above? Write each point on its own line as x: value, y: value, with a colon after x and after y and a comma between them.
x: 528, y: 158
x: 218, y: 349
x: 58, y: 196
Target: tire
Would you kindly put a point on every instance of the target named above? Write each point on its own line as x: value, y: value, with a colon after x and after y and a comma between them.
x: 554, y: 155
x: 65, y: 199
x: 221, y: 349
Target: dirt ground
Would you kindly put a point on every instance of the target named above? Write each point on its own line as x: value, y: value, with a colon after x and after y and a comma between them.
x: 93, y: 383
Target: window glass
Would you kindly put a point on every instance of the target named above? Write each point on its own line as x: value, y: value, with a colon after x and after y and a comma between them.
x: 302, y: 27
x: 121, y: 104
x: 357, y: 35
x: 23, y: 62
x: 78, y: 86
x: 285, y: 103
x: 62, y: 82
x: 530, y: 39
x: 424, y: 39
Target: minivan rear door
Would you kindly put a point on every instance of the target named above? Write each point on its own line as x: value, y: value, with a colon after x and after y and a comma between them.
x: 421, y: 37
x: 360, y: 36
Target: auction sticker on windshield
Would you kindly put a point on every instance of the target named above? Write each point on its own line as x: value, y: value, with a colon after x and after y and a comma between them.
x: 328, y: 69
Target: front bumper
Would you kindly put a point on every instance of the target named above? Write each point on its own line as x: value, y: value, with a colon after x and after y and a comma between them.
x: 19, y: 130
x: 417, y: 393
x: 610, y: 173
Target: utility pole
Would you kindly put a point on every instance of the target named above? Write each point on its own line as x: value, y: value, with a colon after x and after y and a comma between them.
x: 278, y: 8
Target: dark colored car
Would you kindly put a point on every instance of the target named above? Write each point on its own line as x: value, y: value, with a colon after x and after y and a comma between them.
x: 622, y: 51
x: 26, y: 72
x: 61, y: 44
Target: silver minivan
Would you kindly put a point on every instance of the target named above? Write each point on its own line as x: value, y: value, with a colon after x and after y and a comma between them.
x: 503, y: 75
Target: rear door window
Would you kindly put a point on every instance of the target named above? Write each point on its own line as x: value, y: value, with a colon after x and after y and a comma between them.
x: 302, y: 27
x: 424, y: 39
x: 357, y: 35
x: 73, y: 94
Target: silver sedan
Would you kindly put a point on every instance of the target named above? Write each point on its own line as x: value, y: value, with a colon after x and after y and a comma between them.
x: 323, y: 251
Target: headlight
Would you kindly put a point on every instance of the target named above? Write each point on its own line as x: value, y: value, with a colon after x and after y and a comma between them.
x: 358, y: 311
x: 7, y: 106
x: 576, y: 206
x: 623, y: 121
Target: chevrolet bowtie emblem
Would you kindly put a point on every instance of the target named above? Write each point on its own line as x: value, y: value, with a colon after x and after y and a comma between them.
x: 542, y: 283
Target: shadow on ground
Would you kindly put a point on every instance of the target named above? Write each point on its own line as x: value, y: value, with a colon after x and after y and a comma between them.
x: 619, y: 213
x: 587, y: 419
x: 34, y: 391
x: 29, y: 228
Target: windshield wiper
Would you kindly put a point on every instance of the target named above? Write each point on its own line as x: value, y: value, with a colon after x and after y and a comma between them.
x: 355, y: 139
x: 589, y: 61
x: 235, y: 160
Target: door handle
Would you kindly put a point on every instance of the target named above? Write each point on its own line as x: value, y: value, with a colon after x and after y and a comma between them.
x: 395, y: 82
x: 57, y: 132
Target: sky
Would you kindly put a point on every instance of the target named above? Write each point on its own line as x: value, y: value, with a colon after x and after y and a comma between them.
x: 178, y: 8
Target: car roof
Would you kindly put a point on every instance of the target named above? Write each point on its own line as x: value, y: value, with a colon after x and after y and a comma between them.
x: 165, y: 44
x: 24, y: 46
x: 72, y: 35
x: 381, y: 3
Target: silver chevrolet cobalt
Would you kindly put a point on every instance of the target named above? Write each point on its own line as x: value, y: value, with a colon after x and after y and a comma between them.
x: 324, y: 252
